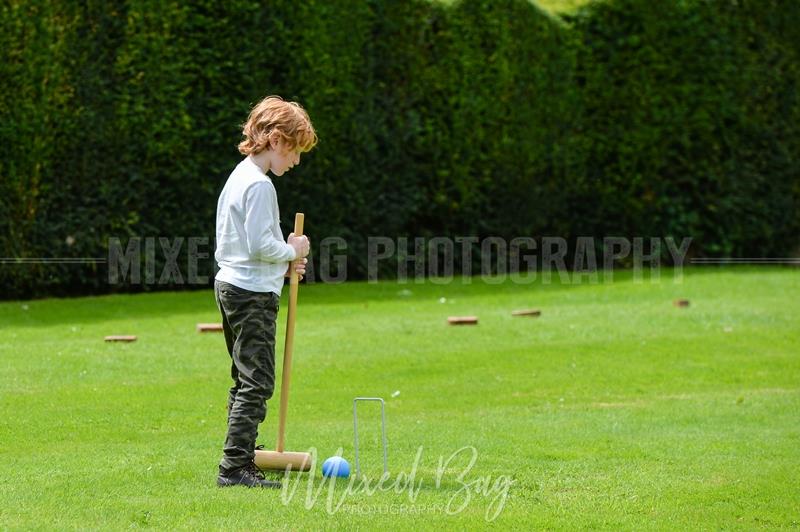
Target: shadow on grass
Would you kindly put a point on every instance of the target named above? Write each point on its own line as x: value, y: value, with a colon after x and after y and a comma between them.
x: 96, y: 309
x: 93, y: 309
x: 147, y: 306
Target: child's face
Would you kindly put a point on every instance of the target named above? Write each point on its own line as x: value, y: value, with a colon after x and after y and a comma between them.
x: 283, y: 158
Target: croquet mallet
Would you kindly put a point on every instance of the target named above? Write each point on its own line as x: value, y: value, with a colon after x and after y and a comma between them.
x: 280, y: 459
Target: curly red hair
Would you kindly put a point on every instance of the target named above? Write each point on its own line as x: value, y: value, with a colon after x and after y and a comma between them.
x: 275, y: 116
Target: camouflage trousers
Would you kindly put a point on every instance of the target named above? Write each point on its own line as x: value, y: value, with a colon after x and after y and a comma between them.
x: 248, y: 321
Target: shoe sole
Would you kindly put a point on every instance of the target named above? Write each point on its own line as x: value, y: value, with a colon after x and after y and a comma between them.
x: 268, y: 484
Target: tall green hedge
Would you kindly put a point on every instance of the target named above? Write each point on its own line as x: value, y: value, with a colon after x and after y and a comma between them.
x: 690, y: 125
x: 480, y: 117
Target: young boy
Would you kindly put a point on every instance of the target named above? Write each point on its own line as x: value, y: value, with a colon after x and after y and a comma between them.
x: 253, y: 260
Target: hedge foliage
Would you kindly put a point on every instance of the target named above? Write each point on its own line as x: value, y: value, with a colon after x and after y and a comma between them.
x: 690, y: 124
x: 480, y: 117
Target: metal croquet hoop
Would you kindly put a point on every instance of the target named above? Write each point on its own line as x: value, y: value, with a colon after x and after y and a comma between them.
x: 383, y: 430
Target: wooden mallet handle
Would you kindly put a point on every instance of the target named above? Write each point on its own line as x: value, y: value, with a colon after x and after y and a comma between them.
x: 287, y: 350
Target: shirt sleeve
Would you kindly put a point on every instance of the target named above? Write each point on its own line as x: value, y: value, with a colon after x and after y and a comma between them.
x: 259, y: 219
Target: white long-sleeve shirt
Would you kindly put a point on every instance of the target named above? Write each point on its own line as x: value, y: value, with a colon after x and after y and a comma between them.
x: 251, y: 252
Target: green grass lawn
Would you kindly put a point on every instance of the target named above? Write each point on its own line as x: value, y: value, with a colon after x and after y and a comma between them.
x: 615, y: 409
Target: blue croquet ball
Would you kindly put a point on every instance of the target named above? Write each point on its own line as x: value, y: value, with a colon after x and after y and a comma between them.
x: 336, y: 466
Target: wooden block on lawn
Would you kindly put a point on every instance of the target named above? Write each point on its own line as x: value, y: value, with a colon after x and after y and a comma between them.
x: 209, y: 327
x: 462, y: 320
x: 681, y: 302
x: 527, y: 312
x: 120, y: 338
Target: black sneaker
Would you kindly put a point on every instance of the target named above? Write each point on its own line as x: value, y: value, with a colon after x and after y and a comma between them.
x: 249, y: 476
x: 260, y: 474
